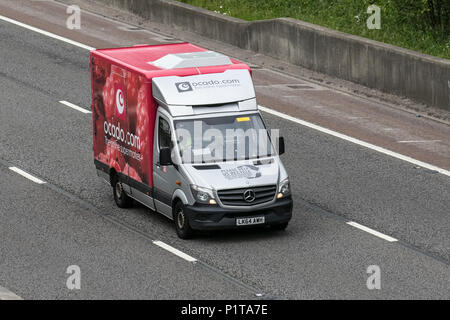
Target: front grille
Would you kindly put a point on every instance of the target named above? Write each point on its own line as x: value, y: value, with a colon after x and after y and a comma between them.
x: 235, y: 197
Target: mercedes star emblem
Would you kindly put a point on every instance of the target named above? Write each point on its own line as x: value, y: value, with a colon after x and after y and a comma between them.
x: 249, y: 195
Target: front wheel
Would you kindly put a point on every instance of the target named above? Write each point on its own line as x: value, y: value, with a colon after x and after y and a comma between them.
x: 120, y: 197
x: 184, y: 230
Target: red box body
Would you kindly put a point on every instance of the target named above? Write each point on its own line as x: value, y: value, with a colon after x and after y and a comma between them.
x: 123, y: 108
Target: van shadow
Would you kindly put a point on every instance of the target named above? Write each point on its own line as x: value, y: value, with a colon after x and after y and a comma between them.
x: 249, y: 234
x: 256, y: 233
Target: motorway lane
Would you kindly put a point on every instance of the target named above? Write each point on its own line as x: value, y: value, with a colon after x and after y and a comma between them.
x: 357, y: 117
x: 296, y: 91
x: 406, y: 215
x: 43, y: 233
x: 405, y: 205
x: 318, y: 257
x: 341, y: 106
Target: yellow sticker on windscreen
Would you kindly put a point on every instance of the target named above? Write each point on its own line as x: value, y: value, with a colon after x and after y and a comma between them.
x: 242, y: 119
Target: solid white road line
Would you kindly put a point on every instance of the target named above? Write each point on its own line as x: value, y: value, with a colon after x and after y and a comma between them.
x: 271, y: 111
x: 46, y: 33
x: 73, y: 106
x: 356, y: 141
x: 371, y: 231
x: 175, y: 251
x: 5, y: 294
x: 27, y: 175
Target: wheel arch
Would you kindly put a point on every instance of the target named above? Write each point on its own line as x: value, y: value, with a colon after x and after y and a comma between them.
x: 179, y: 195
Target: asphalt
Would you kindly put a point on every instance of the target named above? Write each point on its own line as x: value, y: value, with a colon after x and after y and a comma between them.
x: 47, y: 232
x: 73, y: 220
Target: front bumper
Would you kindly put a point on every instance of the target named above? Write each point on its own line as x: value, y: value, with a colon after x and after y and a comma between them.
x: 205, y: 217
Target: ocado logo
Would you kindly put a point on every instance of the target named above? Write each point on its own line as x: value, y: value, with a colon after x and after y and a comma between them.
x: 120, y: 101
x: 183, y: 86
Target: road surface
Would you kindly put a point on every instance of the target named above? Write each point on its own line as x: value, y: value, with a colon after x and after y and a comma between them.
x: 371, y: 186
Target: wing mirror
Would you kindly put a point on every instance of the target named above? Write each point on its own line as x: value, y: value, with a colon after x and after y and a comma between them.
x: 165, y: 156
x: 281, y: 146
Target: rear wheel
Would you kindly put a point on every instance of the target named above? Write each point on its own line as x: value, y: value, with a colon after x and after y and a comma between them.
x: 120, y: 197
x: 184, y: 230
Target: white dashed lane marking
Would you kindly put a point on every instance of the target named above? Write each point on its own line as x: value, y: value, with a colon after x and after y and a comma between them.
x: 73, y: 106
x: 5, y: 294
x: 265, y: 109
x: 355, y: 141
x: 371, y: 231
x: 46, y: 33
x: 27, y: 175
x: 174, y: 251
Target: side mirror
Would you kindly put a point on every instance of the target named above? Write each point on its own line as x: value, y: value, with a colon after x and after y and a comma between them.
x: 281, y: 147
x: 165, y: 157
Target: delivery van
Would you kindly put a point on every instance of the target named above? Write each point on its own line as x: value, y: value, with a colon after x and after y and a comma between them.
x: 177, y: 128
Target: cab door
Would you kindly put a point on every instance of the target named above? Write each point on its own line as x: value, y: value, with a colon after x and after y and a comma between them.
x: 164, y: 177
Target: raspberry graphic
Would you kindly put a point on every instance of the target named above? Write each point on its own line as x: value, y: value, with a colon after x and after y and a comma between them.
x: 102, y: 158
x: 100, y: 70
x: 99, y: 119
x: 132, y: 89
x: 108, y: 96
x: 115, y: 158
x: 142, y: 127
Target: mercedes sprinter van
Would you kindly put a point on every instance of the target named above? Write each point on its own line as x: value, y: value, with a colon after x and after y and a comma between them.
x: 177, y: 128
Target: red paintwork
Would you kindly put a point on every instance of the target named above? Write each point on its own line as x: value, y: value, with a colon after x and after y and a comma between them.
x: 128, y: 68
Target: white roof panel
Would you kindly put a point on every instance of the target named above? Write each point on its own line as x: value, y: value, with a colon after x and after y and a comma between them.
x: 191, y: 60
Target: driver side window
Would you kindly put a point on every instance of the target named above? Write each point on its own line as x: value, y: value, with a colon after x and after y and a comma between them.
x: 164, y: 134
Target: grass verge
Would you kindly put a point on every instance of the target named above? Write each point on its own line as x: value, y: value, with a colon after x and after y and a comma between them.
x: 404, y: 23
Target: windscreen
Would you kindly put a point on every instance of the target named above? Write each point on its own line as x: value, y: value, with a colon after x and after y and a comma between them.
x: 225, y: 138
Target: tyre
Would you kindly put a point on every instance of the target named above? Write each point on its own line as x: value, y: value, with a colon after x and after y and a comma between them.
x: 120, y: 197
x: 280, y: 227
x: 184, y: 230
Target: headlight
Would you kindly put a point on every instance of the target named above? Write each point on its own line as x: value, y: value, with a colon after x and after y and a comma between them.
x: 203, y: 195
x: 284, y: 189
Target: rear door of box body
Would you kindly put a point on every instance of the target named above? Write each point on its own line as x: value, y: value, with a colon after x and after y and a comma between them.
x: 110, y: 117
x: 141, y: 120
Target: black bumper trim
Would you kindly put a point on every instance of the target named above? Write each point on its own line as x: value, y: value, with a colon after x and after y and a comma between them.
x: 101, y: 166
x: 203, y: 217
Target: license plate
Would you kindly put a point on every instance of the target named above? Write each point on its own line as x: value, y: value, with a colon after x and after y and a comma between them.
x: 250, y: 221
